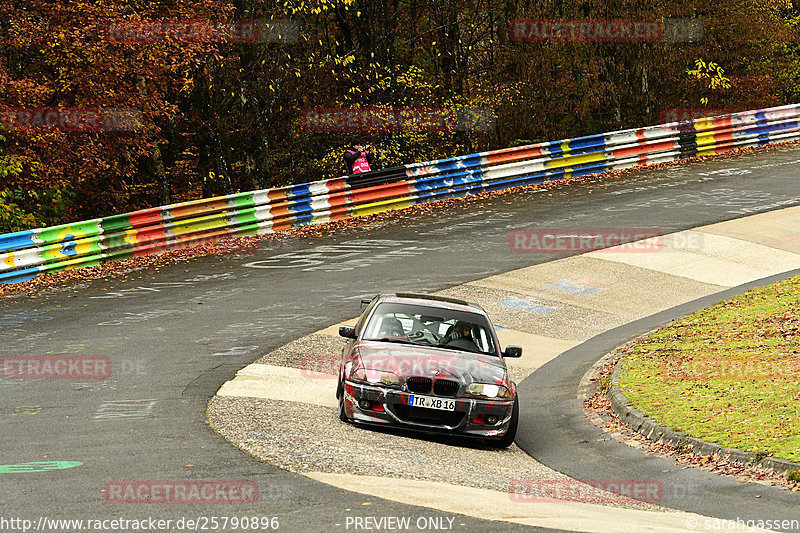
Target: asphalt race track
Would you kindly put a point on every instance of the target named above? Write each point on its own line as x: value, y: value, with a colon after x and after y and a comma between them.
x: 175, y: 335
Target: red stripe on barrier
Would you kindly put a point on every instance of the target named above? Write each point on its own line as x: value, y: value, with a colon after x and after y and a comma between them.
x: 154, y: 235
x: 720, y: 149
x: 338, y: 199
x: 514, y: 155
x: 340, y: 213
x: 339, y: 203
x: 148, y: 249
x: 380, y: 192
x: 721, y: 121
x: 211, y: 206
x: 276, y: 194
x: 282, y: 225
x: 146, y: 217
x: 727, y: 136
x: 279, y: 211
x: 336, y: 185
x: 644, y: 148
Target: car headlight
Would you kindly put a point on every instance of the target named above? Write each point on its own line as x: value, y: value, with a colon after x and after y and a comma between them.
x: 374, y: 377
x: 383, y: 377
x: 487, y: 390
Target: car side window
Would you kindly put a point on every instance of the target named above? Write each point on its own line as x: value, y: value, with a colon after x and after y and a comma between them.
x: 364, y: 315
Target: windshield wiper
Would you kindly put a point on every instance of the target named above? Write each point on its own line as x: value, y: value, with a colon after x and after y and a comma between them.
x: 448, y: 347
x: 398, y: 341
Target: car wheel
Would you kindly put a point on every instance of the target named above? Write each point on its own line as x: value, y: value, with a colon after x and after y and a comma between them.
x: 342, y: 413
x: 508, y: 439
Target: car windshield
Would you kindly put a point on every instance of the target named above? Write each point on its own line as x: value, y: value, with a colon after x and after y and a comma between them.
x: 430, y: 326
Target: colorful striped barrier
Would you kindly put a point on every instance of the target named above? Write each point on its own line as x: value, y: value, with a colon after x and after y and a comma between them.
x: 25, y: 255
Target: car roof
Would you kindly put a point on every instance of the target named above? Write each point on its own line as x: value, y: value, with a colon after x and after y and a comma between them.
x: 434, y: 300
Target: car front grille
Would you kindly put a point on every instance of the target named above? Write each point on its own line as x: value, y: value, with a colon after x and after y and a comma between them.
x: 445, y: 387
x: 428, y: 416
x: 419, y: 385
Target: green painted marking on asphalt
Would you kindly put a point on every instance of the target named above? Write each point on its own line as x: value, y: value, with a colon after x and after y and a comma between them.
x: 41, y: 466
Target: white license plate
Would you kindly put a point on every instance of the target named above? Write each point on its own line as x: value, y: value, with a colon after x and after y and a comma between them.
x: 429, y: 402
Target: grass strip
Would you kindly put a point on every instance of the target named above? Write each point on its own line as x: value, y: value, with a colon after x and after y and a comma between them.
x: 728, y: 374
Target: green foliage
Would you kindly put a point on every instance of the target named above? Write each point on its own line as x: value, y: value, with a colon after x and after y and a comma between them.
x: 12, y: 216
x: 10, y: 165
x: 22, y: 210
x: 711, y: 76
x: 521, y: 142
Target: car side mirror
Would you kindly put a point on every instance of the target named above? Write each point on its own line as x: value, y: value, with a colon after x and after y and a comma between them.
x: 512, y: 351
x: 348, y: 332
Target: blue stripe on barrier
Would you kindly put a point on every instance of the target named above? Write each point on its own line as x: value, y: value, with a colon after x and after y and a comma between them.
x: 761, y: 130
x: 449, y: 163
x: 591, y: 143
x: 761, y: 116
x: 554, y: 148
x: 590, y: 169
x: 300, y: 206
x: 299, y: 190
x: 448, y: 180
x: 303, y: 218
x: 17, y: 240
x: 526, y: 179
x: 459, y: 163
x: 18, y: 276
x: 473, y: 160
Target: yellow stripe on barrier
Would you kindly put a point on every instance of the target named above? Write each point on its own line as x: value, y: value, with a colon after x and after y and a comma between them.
x: 198, y: 224
x: 574, y: 160
x: 383, y: 206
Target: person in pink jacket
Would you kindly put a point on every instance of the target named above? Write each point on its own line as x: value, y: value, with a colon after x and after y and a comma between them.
x: 358, y: 159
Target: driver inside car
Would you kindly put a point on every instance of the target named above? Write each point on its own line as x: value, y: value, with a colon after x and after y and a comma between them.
x: 392, y: 327
x: 460, y: 336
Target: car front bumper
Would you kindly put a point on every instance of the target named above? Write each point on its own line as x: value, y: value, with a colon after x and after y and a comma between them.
x: 389, y: 407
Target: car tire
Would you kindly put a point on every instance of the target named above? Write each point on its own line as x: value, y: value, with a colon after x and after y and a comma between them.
x: 508, y: 439
x: 340, y: 395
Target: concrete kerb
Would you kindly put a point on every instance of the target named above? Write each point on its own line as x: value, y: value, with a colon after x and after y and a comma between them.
x: 655, y: 432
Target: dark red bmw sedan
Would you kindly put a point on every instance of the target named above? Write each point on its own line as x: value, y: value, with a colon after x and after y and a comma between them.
x: 431, y: 364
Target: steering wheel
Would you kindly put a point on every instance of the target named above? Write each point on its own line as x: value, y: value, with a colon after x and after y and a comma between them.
x: 422, y: 335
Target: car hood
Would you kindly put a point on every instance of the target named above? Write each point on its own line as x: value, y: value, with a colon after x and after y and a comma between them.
x: 405, y: 360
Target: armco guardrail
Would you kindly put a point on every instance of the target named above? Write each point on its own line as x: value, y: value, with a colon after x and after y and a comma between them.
x: 27, y: 254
